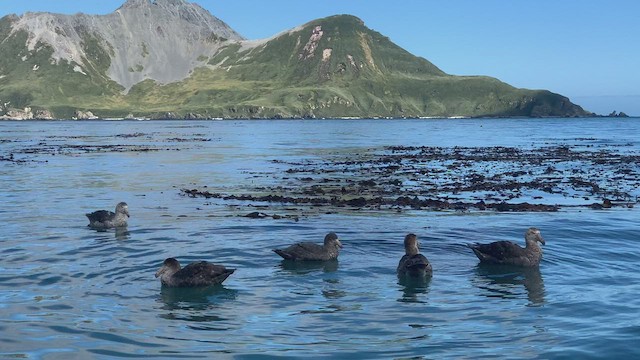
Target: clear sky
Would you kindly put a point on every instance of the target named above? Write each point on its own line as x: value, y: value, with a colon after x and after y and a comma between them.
x: 588, y: 50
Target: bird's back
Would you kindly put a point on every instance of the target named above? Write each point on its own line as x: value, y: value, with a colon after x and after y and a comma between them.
x: 416, y: 265
x: 200, y: 274
x: 100, y: 216
x: 304, y: 251
x: 499, y: 252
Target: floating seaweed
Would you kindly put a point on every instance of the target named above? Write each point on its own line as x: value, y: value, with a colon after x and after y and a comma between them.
x: 504, y: 179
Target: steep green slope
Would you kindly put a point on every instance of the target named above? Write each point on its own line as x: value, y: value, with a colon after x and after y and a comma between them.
x: 350, y: 50
x: 338, y: 67
x: 32, y: 78
x: 331, y: 67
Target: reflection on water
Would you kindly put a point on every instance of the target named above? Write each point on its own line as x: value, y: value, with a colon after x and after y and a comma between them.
x: 195, y: 298
x: 507, y: 281
x: 198, y: 305
x: 120, y: 233
x: 414, y: 289
x: 305, y: 267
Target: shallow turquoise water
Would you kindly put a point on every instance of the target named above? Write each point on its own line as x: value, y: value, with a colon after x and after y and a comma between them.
x: 69, y: 292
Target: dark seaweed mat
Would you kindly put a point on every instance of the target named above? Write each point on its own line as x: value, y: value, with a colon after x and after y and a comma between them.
x: 452, y: 178
x: 57, y: 145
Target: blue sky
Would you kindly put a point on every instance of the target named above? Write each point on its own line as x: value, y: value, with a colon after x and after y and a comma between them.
x: 588, y: 50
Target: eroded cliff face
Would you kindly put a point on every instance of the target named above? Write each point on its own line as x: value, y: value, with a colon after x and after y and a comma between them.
x: 161, y: 40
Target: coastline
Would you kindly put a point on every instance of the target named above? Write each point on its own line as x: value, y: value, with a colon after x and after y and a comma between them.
x: 203, y: 118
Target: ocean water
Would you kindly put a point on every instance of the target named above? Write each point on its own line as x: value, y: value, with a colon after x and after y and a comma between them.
x: 67, y: 291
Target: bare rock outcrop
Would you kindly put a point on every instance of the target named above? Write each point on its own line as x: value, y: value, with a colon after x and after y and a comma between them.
x: 43, y: 115
x: 17, y: 114
x: 84, y: 115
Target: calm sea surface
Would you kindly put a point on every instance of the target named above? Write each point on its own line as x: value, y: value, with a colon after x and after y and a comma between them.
x: 70, y: 292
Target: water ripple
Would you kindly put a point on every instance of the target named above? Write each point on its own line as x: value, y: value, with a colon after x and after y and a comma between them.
x: 69, y: 291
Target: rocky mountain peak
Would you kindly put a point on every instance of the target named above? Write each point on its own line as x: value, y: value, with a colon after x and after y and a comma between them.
x: 161, y: 40
x: 134, y: 4
x: 137, y: 4
x: 178, y: 10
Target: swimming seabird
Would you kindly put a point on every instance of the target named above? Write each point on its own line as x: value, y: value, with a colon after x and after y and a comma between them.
x: 310, y: 251
x: 196, y: 274
x: 104, y: 219
x: 413, y: 264
x: 508, y: 253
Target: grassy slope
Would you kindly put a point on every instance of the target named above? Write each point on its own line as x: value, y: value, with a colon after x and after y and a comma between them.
x: 53, y: 85
x: 365, y: 76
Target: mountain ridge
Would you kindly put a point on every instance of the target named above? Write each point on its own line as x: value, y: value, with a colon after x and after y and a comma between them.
x: 138, y: 32
x: 172, y: 58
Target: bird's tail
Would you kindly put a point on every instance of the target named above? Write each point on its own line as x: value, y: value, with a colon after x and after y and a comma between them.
x: 285, y: 255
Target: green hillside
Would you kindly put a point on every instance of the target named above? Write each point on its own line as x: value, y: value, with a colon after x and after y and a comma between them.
x: 331, y: 67
x: 31, y: 78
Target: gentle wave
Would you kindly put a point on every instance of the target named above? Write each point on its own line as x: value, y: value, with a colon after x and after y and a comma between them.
x: 69, y: 291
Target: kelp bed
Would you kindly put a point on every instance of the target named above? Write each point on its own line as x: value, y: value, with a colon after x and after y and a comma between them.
x: 448, y: 178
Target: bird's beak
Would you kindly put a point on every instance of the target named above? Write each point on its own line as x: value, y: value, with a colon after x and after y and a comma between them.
x: 339, y: 243
x: 541, y: 240
x: 160, y: 271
